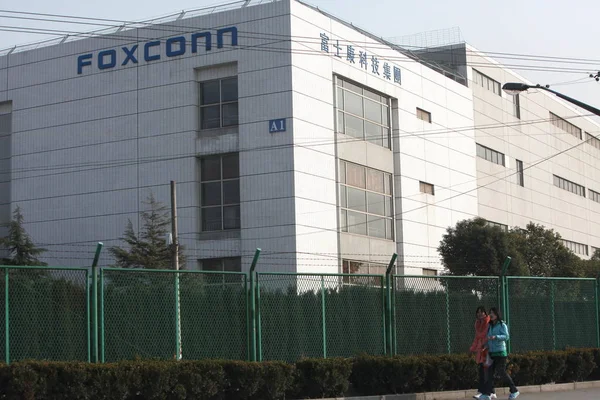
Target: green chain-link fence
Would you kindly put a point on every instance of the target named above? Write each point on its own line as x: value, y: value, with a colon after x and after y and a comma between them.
x: 551, y: 313
x: 436, y: 314
x: 48, y: 313
x: 45, y: 313
x: 139, y: 310
x: 310, y: 315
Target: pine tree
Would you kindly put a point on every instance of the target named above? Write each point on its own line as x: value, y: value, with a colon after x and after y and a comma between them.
x: 18, y: 244
x: 148, y: 249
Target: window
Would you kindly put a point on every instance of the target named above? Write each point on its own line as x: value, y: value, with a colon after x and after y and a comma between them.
x: 362, y: 113
x: 520, y: 175
x: 220, y: 192
x: 229, y: 264
x: 491, y: 155
x: 594, y: 196
x: 592, y: 140
x: 569, y: 186
x: 577, y: 248
x: 426, y: 188
x: 497, y: 224
x: 423, y: 115
x: 565, y: 126
x: 486, y: 82
x: 516, y: 106
x: 219, y: 103
x: 429, y: 272
x: 366, y: 201
x: 362, y: 267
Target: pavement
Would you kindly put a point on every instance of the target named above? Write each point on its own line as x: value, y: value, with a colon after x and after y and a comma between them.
x: 581, y: 394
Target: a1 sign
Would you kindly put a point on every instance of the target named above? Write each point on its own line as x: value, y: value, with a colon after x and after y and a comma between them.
x: 277, y: 125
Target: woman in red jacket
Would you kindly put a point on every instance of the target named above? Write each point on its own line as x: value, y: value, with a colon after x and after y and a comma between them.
x: 482, y: 322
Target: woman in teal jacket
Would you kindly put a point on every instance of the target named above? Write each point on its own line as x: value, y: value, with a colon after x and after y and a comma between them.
x: 496, y: 344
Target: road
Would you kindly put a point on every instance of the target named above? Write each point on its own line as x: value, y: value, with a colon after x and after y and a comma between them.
x: 582, y: 394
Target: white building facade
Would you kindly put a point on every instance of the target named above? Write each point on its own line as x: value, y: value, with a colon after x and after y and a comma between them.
x: 286, y: 129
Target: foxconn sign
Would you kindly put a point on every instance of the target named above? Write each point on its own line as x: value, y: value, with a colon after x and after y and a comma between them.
x: 154, y: 50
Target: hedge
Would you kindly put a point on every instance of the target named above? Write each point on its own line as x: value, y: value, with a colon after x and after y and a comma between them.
x: 308, y: 378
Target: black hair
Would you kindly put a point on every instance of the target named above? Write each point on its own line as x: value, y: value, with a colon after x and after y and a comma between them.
x: 498, y: 315
x: 482, y: 309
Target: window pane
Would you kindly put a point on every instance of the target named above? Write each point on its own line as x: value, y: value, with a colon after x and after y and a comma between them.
x: 353, y: 104
x: 375, y: 180
x: 354, y: 126
x: 231, y: 192
x: 355, y: 175
x: 357, y: 223
x: 357, y: 199
x: 374, y: 133
x: 389, y: 209
x: 376, y: 203
x: 387, y: 183
x: 210, y: 117
x: 385, y: 116
x: 343, y: 221
x: 231, y: 166
x: 373, y: 111
x: 353, y: 87
x: 376, y: 226
x: 213, y: 264
x: 229, y: 89
x: 357, y: 267
x: 210, y: 168
x: 231, y: 217
x: 232, y: 264
x: 211, y: 194
x: 340, y: 122
x: 373, y: 96
x: 340, y: 99
x: 342, y: 172
x: 211, y: 219
x: 230, y: 114
x: 209, y: 92
x: 389, y: 233
x: 343, y: 202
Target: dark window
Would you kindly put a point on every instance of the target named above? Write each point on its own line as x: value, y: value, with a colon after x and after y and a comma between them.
x: 220, y: 192
x: 219, y: 103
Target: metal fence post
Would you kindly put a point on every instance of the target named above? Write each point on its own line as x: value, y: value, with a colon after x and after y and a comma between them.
x: 6, y: 318
x: 552, y: 306
x: 94, y: 337
x: 597, y: 284
x: 388, y: 333
x: 102, y: 342
x: 252, y: 293
x: 178, y: 349
x: 448, y: 339
x: 323, y: 317
x: 507, y: 309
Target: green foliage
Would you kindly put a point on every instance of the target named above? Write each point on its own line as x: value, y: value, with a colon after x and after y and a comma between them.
x: 474, y: 247
x: 308, y: 378
x: 21, y: 249
x: 148, y: 249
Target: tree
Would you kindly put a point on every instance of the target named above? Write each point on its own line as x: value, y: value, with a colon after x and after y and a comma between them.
x: 21, y: 249
x: 148, y: 249
x: 474, y: 247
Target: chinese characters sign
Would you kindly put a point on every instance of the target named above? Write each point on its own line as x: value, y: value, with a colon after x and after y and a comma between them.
x: 365, y: 61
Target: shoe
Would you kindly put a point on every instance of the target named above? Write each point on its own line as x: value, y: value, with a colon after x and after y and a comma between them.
x: 477, y: 396
x: 493, y: 396
x: 513, y: 395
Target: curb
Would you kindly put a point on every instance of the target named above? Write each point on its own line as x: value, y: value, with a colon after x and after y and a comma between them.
x: 468, y: 394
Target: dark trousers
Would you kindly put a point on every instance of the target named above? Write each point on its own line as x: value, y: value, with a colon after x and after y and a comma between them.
x: 483, y: 373
x: 499, y: 368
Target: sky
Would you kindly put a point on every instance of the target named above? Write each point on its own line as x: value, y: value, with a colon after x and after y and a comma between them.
x: 527, y: 27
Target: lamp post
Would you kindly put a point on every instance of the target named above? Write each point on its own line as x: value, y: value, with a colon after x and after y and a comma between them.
x: 514, y: 88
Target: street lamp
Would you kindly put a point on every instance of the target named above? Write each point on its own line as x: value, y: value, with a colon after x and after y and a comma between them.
x: 514, y: 88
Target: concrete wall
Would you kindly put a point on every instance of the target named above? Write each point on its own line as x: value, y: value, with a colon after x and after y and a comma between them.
x: 535, y: 141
